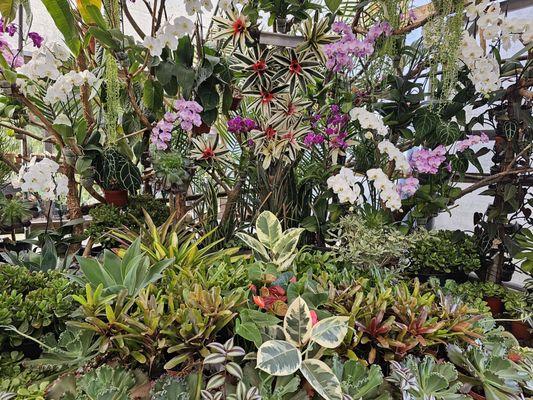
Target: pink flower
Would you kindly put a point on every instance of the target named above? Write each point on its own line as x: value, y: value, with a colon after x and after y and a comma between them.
x: 428, y: 161
x: 314, y: 317
x: 408, y: 187
x: 470, y: 141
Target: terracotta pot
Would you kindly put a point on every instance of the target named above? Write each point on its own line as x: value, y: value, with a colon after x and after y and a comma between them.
x: 117, y: 198
x: 495, y: 305
x: 204, y: 128
x: 520, y: 330
x: 476, y: 396
x: 235, y: 103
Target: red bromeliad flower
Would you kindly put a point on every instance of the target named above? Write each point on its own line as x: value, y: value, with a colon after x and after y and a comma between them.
x: 295, y: 68
x: 208, y: 154
x: 271, y: 133
x: 259, y: 67
x: 267, y: 97
x: 239, y: 26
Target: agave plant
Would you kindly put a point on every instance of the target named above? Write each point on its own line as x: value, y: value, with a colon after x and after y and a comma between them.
x: 132, y: 272
x: 272, y: 244
x: 499, y: 377
x: 106, y: 382
x: 297, y: 68
x: 255, y: 66
x: 234, y: 28
x: 284, y: 357
x: 426, y: 379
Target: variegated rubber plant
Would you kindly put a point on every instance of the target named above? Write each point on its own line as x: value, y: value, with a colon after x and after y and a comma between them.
x: 272, y: 244
x: 299, y: 346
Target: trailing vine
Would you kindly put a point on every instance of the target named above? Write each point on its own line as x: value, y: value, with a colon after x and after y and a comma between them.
x: 111, y: 75
x: 443, y: 34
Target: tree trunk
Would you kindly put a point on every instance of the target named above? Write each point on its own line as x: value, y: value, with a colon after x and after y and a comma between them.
x: 73, y: 199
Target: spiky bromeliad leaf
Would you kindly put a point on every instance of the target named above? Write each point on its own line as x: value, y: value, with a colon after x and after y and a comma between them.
x: 278, y: 358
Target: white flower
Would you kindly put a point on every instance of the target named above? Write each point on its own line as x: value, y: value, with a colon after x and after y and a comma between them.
x: 43, y: 178
x: 207, y: 4
x: 88, y: 77
x: 344, y: 184
x: 193, y: 7
x: 369, y: 120
x: 59, y: 51
x: 225, y: 5
x: 154, y: 45
x: 169, y: 40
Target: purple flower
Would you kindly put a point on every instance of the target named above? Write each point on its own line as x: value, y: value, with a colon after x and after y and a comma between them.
x: 36, y: 39
x: 11, y: 29
x: 470, y: 141
x: 408, y: 187
x: 428, y: 161
x: 241, y: 125
x: 340, y: 54
x: 341, y: 27
x: 312, y: 139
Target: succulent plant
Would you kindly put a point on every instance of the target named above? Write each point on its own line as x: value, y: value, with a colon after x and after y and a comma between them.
x: 426, y: 379
x: 491, y: 369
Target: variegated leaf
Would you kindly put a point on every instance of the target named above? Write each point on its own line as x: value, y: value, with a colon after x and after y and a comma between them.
x: 330, y: 332
x: 322, y: 379
x: 268, y: 228
x: 278, y: 358
x: 297, y: 322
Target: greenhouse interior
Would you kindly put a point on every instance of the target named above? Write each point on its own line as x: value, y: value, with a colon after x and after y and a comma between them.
x: 266, y: 199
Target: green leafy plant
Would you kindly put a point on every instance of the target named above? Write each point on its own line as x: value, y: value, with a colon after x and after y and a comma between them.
x: 14, y: 213
x: 272, y: 244
x: 115, y: 171
x: 283, y: 357
x: 132, y: 272
x: 46, y: 260
x: 444, y: 252
x: 426, y: 379
x: 104, y: 218
x: 364, y: 245
x: 281, y: 9
x: 171, y: 167
x: 525, y: 241
x: 33, y: 302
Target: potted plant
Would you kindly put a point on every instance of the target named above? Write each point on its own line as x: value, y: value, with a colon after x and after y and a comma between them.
x: 493, y: 294
x: 14, y: 213
x: 279, y: 10
x: 117, y: 176
x: 517, y: 308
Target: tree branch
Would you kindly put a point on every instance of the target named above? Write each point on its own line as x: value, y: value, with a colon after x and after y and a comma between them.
x: 492, y: 179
